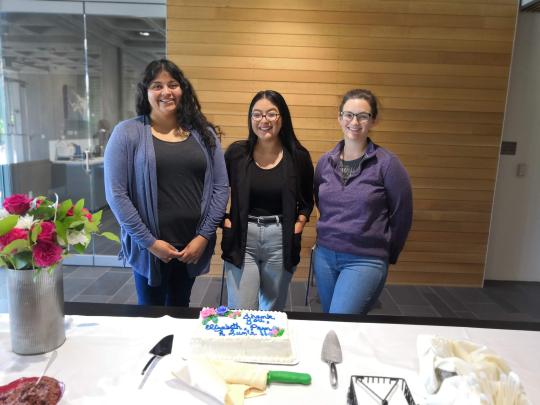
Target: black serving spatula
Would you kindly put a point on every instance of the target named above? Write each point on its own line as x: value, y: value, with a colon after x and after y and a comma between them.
x: 162, y: 348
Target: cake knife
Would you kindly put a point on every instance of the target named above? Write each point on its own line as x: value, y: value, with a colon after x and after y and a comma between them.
x: 331, y: 353
x: 162, y: 348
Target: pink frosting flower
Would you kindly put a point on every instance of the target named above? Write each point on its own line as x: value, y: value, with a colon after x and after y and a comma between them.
x: 12, y: 235
x: 206, y: 312
x: 17, y: 204
x: 48, y: 231
x: 46, y: 253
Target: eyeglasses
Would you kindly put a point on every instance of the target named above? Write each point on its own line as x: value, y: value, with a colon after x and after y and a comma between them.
x: 158, y: 86
x: 349, y: 116
x: 270, y: 115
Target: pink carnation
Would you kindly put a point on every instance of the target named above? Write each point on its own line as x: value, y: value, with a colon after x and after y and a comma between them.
x: 18, y: 204
x: 206, y: 312
x: 48, y: 231
x: 46, y: 253
x: 12, y: 235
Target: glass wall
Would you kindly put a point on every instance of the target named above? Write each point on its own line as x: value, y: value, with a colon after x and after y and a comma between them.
x: 68, y: 74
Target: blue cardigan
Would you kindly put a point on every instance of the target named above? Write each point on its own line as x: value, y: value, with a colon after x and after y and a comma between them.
x: 131, y: 191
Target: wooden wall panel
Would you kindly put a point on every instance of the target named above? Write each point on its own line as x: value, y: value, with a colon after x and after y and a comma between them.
x: 439, y: 67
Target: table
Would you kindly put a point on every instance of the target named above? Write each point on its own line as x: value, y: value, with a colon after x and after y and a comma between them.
x: 107, y: 347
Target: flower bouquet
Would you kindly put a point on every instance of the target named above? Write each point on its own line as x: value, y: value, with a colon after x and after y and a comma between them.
x: 37, y: 233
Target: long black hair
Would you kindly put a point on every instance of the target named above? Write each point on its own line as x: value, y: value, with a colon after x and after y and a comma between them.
x: 188, y: 112
x: 286, y: 134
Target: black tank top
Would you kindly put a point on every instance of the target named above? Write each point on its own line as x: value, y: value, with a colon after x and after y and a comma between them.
x: 180, y: 168
x: 265, y: 190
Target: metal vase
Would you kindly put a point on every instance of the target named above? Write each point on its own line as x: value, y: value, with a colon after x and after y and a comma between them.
x: 36, y: 310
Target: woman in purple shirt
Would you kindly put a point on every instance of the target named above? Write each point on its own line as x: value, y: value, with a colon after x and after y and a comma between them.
x: 364, y: 198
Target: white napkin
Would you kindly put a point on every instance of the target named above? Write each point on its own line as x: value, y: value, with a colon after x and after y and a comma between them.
x: 228, y: 382
x: 462, y: 372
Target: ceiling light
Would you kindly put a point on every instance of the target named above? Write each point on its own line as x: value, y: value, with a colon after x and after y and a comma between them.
x: 144, y: 33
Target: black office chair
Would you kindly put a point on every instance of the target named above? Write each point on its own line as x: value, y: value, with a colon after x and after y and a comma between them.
x: 310, y: 277
x: 222, y: 282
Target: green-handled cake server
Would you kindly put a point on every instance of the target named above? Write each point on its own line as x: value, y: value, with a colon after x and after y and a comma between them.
x: 288, y: 377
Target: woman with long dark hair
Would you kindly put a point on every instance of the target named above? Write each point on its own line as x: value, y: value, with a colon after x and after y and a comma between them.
x: 271, y: 178
x: 166, y: 183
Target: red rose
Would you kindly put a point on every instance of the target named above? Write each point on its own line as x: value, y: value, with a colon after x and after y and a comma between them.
x: 48, y: 231
x: 69, y: 212
x: 12, y: 235
x: 46, y: 253
x: 87, y: 214
x: 17, y: 204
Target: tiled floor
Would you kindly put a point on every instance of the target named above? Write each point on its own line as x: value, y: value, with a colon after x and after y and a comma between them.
x: 511, y: 301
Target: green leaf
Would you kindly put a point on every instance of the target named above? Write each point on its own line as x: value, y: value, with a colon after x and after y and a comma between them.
x: 77, y: 225
x: 281, y: 332
x: 63, y: 209
x: 36, y: 230
x: 96, y: 218
x: 17, y: 245
x: 61, y: 230
x: 3, y: 263
x: 43, y: 212
x: 110, y: 236
x: 23, y: 260
x: 8, y: 223
x: 78, y: 207
x: 90, y: 227
x: 79, y: 248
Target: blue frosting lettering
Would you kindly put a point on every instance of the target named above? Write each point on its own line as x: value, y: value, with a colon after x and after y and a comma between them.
x: 255, y: 325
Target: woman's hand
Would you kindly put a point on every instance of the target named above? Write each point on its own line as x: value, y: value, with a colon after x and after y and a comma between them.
x: 299, y: 224
x: 164, y: 251
x: 194, y: 250
x: 227, y: 223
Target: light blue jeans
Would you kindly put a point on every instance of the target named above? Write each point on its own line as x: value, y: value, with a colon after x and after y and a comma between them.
x: 262, y: 282
x: 348, y: 284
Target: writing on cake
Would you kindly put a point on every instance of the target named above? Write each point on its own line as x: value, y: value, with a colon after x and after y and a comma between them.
x: 255, y: 325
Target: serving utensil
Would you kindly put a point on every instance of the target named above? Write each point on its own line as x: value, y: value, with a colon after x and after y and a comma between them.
x: 331, y: 354
x: 53, y: 357
x: 162, y: 348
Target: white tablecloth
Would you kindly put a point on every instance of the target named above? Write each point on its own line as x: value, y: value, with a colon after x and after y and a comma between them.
x: 102, y: 358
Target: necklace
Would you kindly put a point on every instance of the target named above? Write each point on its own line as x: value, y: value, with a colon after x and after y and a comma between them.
x: 181, y: 133
x: 272, y: 164
x: 350, y: 168
x: 176, y: 135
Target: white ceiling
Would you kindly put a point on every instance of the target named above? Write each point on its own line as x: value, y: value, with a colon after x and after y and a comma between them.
x: 53, y: 43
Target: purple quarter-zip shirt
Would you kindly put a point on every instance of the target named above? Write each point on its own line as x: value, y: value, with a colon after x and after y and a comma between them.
x: 369, y: 215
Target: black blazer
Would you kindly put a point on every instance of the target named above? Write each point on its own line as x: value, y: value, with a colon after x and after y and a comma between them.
x: 297, y: 198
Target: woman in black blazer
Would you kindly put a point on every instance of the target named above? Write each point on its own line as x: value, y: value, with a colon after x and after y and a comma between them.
x: 271, y: 179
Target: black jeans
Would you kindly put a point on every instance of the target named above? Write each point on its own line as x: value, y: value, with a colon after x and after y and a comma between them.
x: 174, y: 290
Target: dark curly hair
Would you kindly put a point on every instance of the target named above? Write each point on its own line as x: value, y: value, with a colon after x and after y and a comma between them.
x: 286, y: 134
x: 188, y: 112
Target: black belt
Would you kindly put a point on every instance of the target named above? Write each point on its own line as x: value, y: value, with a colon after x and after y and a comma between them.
x: 269, y: 219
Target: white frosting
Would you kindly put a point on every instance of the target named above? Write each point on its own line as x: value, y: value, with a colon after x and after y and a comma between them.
x: 249, y: 336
